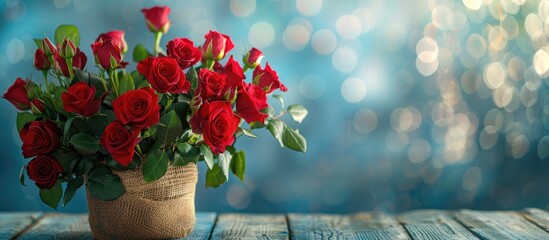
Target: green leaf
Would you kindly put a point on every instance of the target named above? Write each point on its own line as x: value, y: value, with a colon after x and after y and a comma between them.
x: 215, y: 177
x: 67, y: 32
x: 247, y: 132
x: 276, y: 127
x: 22, y: 175
x: 256, y: 125
x: 70, y: 191
x: 298, y: 112
x: 126, y: 84
x: 169, y: 128
x: 225, y: 163
x: 66, y: 158
x: 23, y: 118
x: 269, y: 111
x: 84, y: 143
x: 208, y: 155
x: 84, y: 166
x: 280, y: 99
x: 52, y: 196
x: 103, y: 184
x: 38, y: 42
x: 187, y: 153
x: 155, y: 166
x: 67, y: 129
x: 192, y: 76
x: 238, y: 164
x: 97, y: 124
x: 293, y: 140
x: 140, y: 53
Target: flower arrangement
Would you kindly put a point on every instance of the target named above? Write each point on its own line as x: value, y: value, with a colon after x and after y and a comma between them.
x: 181, y: 105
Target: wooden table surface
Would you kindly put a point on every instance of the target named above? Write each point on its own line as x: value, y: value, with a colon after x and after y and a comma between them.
x: 419, y: 224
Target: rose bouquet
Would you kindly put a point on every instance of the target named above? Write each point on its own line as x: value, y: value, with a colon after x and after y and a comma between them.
x: 181, y: 105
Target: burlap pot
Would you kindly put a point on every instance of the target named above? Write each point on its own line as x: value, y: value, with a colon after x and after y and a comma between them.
x: 160, y: 209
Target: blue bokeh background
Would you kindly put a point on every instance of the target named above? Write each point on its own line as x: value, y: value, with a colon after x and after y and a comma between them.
x: 412, y: 104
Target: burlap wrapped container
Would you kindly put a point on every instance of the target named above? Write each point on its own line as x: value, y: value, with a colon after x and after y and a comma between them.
x: 160, y: 209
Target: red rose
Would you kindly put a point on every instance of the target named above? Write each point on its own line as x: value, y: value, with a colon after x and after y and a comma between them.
x: 17, y: 95
x: 104, y: 52
x: 68, y: 49
x: 116, y: 37
x: 37, y: 106
x: 217, y: 122
x: 164, y: 74
x: 253, y: 58
x: 80, y: 99
x: 120, y: 142
x: 137, y: 108
x: 48, y: 47
x: 211, y: 84
x: 157, y: 18
x: 41, y: 61
x: 78, y: 61
x: 268, y: 79
x: 250, y: 100
x: 40, y: 138
x: 44, y: 171
x: 235, y: 74
x: 184, y: 51
x: 216, y: 45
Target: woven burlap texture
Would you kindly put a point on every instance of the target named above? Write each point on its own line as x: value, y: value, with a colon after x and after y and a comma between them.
x: 160, y: 209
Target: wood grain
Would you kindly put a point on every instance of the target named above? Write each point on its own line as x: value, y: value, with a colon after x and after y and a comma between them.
x: 60, y: 226
x: 433, y: 225
x: 500, y: 225
x: 203, y: 227
x: 13, y: 223
x: 538, y: 217
x: 250, y: 226
x: 354, y: 226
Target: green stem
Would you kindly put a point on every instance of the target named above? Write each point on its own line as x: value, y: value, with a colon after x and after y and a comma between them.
x: 210, y: 64
x: 45, y: 74
x: 101, y: 75
x: 245, y: 68
x: 59, y: 79
x: 111, y: 76
x: 69, y: 67
x: 157, y: 37
x: 170, y: 101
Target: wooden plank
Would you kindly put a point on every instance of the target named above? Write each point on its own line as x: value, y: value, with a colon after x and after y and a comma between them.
x: 13, y: 223
x: 204, y: 225
x: 60, y: 226
x: 356, y: 226
x: 538, y: 217
x: 250, y: 226
x: 433, y: 225
x: 500, y: 225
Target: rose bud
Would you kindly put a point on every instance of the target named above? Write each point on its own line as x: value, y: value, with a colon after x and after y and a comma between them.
x: 37, y: 106
x: 17, y: 95
x: 184, y: 51
x: 48, y: 47
x: 80, y: 99
x: 253, y: 58
x: 78, y: 61
x: 217, y: 123
x: 108, y: 55
x: 164, y: 74
x: 250, y: 100
x: 137, y: 108
x: 211, y: 84
x: 116, y: 37
x: 157, y: 19
x: 268, y: 79
x: 120, y: 142
x: 68, y: 50
x: 40, y: 138
x: 44, y: 171
x: 216, y: 45
x: 41, y: 61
